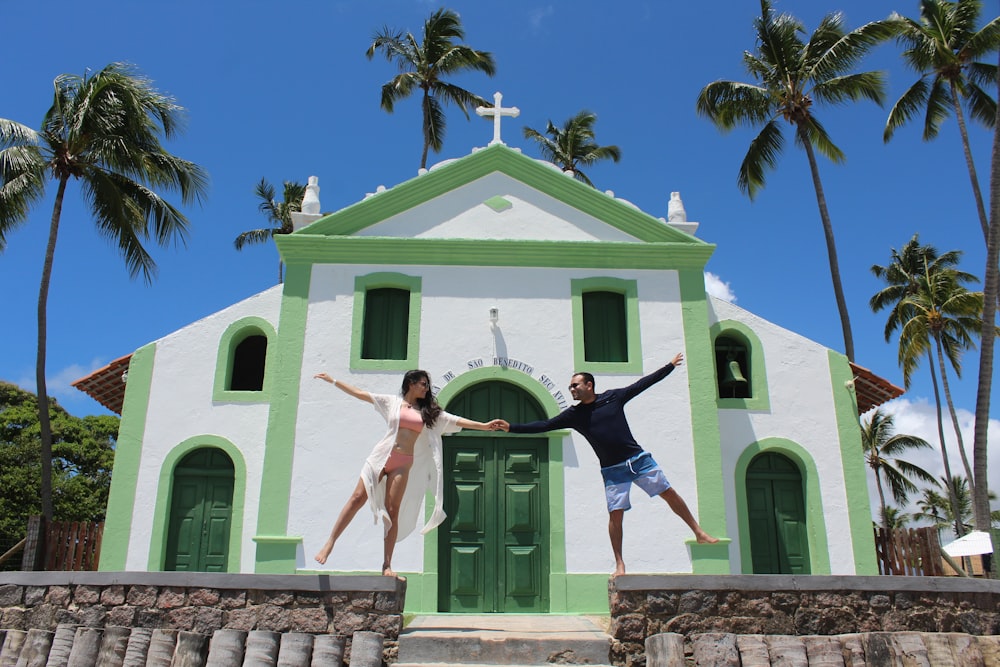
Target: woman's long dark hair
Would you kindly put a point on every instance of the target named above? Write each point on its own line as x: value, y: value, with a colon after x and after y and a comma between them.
x: 429, y: 408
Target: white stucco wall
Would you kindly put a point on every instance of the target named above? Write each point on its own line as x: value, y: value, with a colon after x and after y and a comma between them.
x: 801, y: 410
x: 336, y: 432
x: 181, y: 407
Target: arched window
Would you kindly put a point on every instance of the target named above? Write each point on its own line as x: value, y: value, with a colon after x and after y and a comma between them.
x: 732, y: 367
x: 740, y: 370
x: 243, y: 367
x: 249, y: 360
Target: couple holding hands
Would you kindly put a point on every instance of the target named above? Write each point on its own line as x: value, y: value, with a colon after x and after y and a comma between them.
x: 413, y: 440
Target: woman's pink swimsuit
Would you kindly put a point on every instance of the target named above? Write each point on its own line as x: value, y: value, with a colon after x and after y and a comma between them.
x: 411, y: 420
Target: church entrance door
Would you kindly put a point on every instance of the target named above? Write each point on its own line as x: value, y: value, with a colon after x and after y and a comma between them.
x: 493, y: 550
x: 201, y: 509
x: 779, y: 541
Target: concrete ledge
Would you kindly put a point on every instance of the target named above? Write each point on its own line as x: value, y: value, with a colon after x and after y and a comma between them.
x: 259, y: 582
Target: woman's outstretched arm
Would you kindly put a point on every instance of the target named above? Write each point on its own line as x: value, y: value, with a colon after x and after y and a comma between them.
x: 478, y: 426
x: 359, y: 394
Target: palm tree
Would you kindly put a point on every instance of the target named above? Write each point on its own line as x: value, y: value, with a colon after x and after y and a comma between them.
x: 942, y: 310
x: 573, y: 145
x: 793, y: 76
x: 103, y: 131
x: 991, y: 292
x: 425, y: 65
x: 881, y: 447
x: 893, y: 518
x: 907, y: 283
x: 943, y: 46
x: 278, y: 214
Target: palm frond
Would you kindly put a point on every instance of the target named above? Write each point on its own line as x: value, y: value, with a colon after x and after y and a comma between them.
x: 761, y: 157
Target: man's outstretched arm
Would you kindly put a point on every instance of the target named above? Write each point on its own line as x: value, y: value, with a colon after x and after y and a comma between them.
x: 644, y: 383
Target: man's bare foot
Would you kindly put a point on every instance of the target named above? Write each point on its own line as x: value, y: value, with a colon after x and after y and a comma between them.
x: 619, y: 569
x: 705, y: 538
x: 387, y: 571
x: 324, y: 553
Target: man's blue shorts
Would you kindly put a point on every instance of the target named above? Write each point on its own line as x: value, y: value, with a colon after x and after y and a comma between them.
x: 642, y: 470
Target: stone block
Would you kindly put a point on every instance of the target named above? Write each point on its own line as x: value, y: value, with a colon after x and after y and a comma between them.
x: 716, y: 649
x: 312, y: 620
x: 58, y: 595
x: 232, y: 599
x: 86, y: 595
x: 113, y: 596
x: 11, y: 595
x: 171, y: 597
x: 142, y: 596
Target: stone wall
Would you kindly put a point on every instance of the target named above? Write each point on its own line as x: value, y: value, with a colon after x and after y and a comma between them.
x: 647, y: 605
x: 204, y: 602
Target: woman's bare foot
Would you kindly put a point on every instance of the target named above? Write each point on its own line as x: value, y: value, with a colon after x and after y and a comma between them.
x: 324, y: 553
x: 619, y: 569
x: 387, y: 571
x: 705, y: 538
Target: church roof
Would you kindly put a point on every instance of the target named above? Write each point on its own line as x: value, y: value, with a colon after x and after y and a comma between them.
x: 872, y: 390
x: 106, y: 385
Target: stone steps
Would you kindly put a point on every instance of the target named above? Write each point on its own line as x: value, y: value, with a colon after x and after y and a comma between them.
x: 502, y: 639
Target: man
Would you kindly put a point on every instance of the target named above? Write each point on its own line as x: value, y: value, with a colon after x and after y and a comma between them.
x: 600, y: 418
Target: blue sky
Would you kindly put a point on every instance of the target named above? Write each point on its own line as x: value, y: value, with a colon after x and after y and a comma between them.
x: 283, y: 94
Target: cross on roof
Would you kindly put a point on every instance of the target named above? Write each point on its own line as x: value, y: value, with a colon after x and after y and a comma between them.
x: 497, y: 112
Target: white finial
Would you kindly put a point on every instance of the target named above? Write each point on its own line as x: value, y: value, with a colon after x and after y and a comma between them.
x: 497, y: 112
x: 310, y: 200
x: 675, y: 208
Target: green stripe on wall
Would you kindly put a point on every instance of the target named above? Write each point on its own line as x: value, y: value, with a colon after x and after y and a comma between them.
x: 128, y: 454
x: 275, y: 554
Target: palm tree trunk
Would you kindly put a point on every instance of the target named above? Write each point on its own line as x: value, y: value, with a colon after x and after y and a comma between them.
x: 43, y: 395
x: 952, y: 500
x: 951, y: 410
x: 425, y: 108
x: 991, y: 291
x: 970, y: 164
x: 831, y: 247
x: 881, y: 501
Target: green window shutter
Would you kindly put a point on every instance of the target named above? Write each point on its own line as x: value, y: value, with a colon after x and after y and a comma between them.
x: 604, y: 331
x: 386, y: 323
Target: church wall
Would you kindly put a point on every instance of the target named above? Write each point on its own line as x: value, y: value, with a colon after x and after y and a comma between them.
x: 535, y: 331
x: 181, y: 409
x: 803, y: 412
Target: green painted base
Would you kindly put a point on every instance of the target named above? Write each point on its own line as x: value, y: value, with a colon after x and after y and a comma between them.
x: 710, y: 558
x: 276, y: 554
x: 570, y: 593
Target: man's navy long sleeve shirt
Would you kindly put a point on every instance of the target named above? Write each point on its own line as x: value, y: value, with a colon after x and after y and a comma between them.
x: 602, y: 422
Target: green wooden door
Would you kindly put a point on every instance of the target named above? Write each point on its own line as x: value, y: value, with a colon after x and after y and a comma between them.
x: 201, y: 509
x: 494, y: 547
x: 779, y: 542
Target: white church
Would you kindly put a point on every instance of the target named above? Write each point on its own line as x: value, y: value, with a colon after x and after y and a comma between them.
x: 501, y: 276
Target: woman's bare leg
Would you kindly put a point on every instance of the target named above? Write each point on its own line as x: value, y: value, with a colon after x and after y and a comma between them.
x: 357, y: 500
x: 395, y: 485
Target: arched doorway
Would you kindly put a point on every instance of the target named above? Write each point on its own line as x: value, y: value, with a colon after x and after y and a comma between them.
x: 493, y: 550
x: 201, y: 509
x: 779, y: 541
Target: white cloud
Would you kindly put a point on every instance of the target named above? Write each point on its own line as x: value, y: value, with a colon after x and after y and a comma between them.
x: 58, y: 384
x: 918, y: 417
x: 539, y: 14
x: 716, y: 287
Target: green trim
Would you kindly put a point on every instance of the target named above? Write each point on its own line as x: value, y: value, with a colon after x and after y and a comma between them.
x: 235, y: 334
x: 705, y: 435
x: 760, y: 399
x: 374, y: 281
x: 711, y: 558
x: 274, y: 553
x: 819, y: 551
x: 128, y: 455
x: 498, y: 203
x: 634, y: 341
x: 279, y: 443
x: 422, y: 591
x: 498, y: 158
x: 164, y: 497
x: 393, y: 251
x: 852, y: 458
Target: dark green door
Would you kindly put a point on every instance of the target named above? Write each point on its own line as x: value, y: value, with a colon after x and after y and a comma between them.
x: 494, y: 547
x: 779, y: 542
x: 201, y: 508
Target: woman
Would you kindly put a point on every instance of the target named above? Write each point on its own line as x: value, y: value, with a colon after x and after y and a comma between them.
x: 413, y: 442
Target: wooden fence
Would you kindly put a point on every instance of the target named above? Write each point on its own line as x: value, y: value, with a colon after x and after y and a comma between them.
x: 73, y: 545
x: 914, y: 552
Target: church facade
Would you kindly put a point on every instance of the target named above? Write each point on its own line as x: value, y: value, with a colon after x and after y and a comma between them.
x: 501, y: 276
